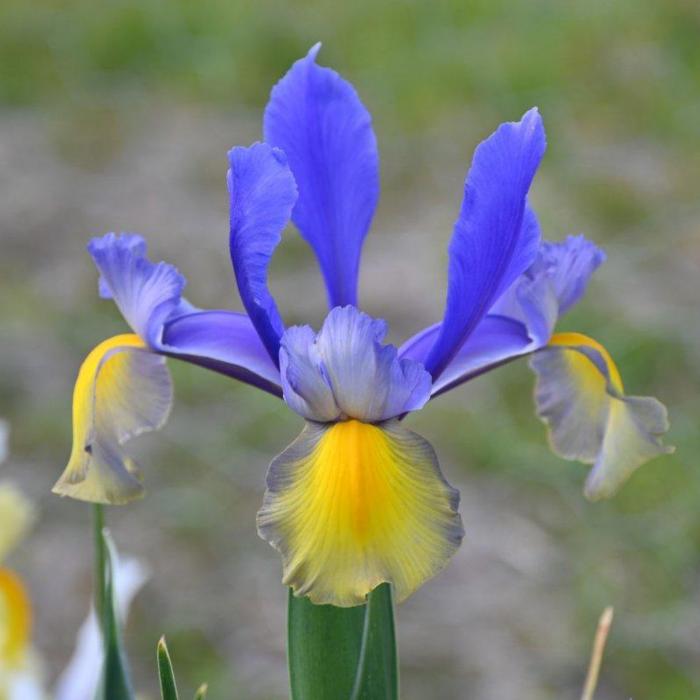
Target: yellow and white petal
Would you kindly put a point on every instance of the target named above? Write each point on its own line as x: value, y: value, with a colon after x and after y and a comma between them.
x: 15, y: 620
x: 350, y: 505
x: 580, y: 396
x: 81, y: 677
x: 16, y: 517
x: 122, y: 390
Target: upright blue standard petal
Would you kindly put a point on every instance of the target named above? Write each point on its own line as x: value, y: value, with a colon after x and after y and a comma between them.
x: 317, y: 119
x: 262, y: 193
x: 495, y: 237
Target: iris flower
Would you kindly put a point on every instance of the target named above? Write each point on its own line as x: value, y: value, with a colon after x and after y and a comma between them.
x: 358, y: 499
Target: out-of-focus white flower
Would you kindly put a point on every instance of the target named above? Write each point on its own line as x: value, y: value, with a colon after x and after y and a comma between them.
x: 21, y: 676
x: 80, y: 679
x: 20, y: 670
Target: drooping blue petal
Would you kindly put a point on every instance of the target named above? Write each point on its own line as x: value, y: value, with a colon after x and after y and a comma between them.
x: 263, y: 192
x: 569, y: 265
x: 145, y: 292
x: 494, y: 240
x: 551, y: 285
x: 148, y: 296
x: 225, y: 342
x: 317, y: 119
x: 523, y: 318
x: 345, y: 371
x: 495, y: 341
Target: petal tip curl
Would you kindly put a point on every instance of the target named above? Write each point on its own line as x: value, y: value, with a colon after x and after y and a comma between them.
x: 122, y: 391
x: 146, y: 293
x: 580, y: 397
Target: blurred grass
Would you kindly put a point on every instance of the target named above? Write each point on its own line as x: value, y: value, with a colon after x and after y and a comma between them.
x: 619, y: 86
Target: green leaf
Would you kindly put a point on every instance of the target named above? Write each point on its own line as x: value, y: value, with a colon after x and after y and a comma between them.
x: 343, y: 653
x: 377, y: 674
x: 115, y: 683
x: 201, y: 693
x: 168, y: 688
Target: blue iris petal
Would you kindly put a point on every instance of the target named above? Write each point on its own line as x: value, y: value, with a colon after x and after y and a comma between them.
x: 568, y: 265
x: 495, y: 238
x: 304, y: 383
x: 496, y: 340
x: 148, y: 295
x: 523, y: 318
x: 345, y: 371
x: 145, y: 292
x: 317, y: 119
x: 223, y: 341
x: 551, y: 285
x: 263, y: 193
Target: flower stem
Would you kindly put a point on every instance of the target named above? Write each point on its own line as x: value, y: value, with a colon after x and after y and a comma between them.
x: 100, y: 556
x: 343, y: 653
x: 377, y: 667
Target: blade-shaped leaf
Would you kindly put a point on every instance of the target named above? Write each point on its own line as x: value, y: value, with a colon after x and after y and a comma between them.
x: 338, y: 653
x: 377, y: 674
x: 115, y: 683
x: 168, y: 688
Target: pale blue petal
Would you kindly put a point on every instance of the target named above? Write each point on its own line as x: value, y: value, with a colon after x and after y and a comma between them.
x: 145, y: 292
x: 552, y: 285
x: 347, y: 363
x: 306, y: 389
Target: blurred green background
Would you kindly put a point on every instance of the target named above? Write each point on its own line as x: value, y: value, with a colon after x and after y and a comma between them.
x: 117, y: 115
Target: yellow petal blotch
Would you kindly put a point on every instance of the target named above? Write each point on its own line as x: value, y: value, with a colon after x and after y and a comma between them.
x: 351, y: 505
x: 585, y: 369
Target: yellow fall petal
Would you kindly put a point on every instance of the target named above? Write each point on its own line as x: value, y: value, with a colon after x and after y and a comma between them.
x: 580, y: 396
x: 122, y: 390
x: 585, y: 369
x: 351, y: 505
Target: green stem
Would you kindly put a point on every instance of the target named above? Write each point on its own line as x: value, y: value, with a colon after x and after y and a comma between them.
x: 362, y: 661
x: 100, y: 558
x: 339, y: 653
x: 377, y: 669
